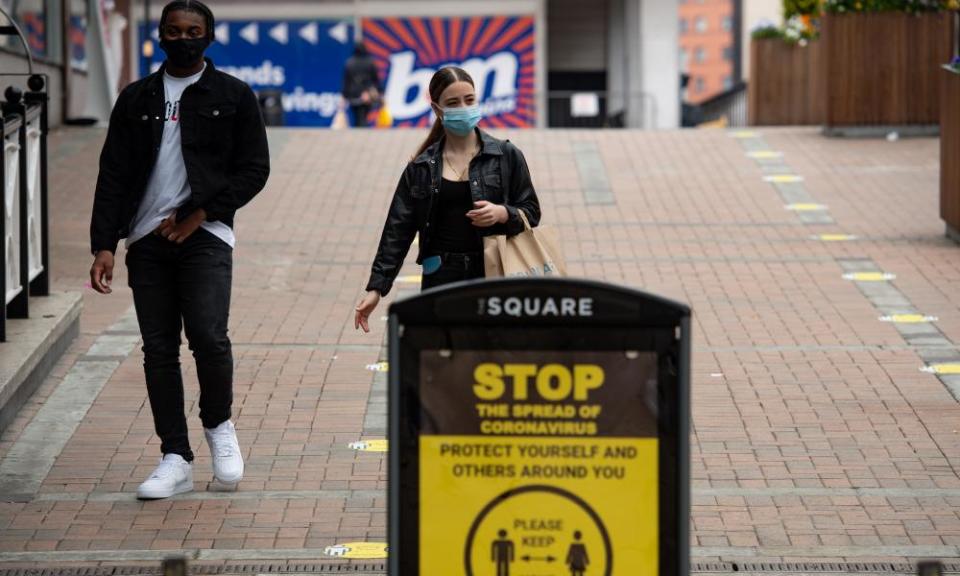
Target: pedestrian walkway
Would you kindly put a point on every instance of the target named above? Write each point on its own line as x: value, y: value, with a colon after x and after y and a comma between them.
x: 826, y: 421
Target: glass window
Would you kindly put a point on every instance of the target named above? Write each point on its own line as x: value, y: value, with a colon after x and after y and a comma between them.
x: 727, y: 82
x: 700, y: 55
x: 684, y: 59
x: 727, y: 23
x: 683, y: 26
x: 702, y: 24
x: 728, y: 53
x: 699, y: 85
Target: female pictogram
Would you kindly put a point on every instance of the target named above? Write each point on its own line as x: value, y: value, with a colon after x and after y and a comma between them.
x: 577, y: 558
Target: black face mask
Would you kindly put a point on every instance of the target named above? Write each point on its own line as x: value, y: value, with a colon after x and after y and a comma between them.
x: 185, y: 53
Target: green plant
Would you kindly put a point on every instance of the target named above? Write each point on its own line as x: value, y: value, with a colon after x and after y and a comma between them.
x: 767, y: 33
x: 909, y: 6
x: 793, y: 8
x: 796, y: 30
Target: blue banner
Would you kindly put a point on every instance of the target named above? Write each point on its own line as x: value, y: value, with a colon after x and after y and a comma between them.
x: 303, y: 58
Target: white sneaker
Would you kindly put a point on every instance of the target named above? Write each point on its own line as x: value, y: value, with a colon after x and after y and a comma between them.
x: 225, y: 450
x: 173, y: 475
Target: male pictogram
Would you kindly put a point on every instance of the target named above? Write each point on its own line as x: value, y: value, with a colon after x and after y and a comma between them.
x: 502, y: 553
x: 577, y: 559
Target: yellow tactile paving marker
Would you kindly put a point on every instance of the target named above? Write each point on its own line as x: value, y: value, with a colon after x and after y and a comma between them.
x: 783, y: 179
x: 372, y: 445
x: 870, y: 276
x: 908, y: 319
x: 357, y: 550
x: 947, y: 369
x: 378, y: 367
x: 764, y: 155
x: 807, y: 207
x: 834, y: 237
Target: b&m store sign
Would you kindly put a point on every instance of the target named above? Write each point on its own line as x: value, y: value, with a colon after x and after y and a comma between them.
x: 498, y: 52
x: 304, y: 60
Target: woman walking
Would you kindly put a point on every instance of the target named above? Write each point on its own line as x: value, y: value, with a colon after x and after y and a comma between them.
x: 463, y: 184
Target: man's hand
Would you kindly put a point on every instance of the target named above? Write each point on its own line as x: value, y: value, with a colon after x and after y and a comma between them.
x: 101, y: 273
x: 486, y: 214
x: 179, y: 231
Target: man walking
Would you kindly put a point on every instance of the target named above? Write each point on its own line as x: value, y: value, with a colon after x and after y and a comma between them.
x: 185, y: 149
x: 361, y: 85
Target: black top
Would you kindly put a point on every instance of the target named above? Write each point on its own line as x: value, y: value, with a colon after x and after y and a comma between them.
x: 454, y: 231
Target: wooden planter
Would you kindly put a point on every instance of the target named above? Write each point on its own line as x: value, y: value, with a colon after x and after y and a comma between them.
x: 786, y: 87
x: 950, y: 150
x: 882, y: 68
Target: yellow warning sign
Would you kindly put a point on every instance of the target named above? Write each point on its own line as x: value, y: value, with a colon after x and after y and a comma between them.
x: 870, y: 276
x: 358, y: 550
x: 908, y: 318
x: 539, y: 463
x: 805, y: 207
x: 783, y: 178
x: 949, y: 369
x: 374, y: 445
x: 834, y: 237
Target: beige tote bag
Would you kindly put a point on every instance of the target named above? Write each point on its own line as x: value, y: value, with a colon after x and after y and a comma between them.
x: 533, y: 252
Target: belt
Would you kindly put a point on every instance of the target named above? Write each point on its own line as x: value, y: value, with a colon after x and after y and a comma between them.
x: 465, y: 259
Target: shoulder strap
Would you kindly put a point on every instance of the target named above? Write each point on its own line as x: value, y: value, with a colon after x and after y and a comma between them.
x: 506, y: 185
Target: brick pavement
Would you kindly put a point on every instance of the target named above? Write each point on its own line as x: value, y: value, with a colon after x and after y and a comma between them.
x: 816, y: 436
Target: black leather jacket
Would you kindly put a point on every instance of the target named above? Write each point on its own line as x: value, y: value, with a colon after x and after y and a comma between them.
x: 224, y: 150
x: 499, y: 174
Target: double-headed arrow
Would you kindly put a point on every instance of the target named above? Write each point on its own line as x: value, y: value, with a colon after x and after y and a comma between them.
x: 546, y: 559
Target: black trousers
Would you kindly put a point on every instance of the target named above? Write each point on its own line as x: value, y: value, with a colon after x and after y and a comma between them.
x: 454, y: 268
x: 360, y: 113
x: 176, y: 287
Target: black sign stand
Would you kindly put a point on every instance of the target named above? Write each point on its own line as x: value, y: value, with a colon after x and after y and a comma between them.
x: 555, y: 318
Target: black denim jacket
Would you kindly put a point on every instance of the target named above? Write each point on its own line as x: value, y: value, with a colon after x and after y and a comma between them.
x: 499, y: 174
x: 224, y: 146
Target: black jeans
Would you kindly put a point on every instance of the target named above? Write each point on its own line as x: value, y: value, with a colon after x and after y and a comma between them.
x: 360, y: 113
x: 184, y: 286
x: 454, y: 268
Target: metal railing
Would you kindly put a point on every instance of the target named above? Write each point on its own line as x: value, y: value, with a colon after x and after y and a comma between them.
x: 24, y: 227
x: 23, y: 214
x: 728, y: 108
x: 14, y: 287
x: 599, y: 109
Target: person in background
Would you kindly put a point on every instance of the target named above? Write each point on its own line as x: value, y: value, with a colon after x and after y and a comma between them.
x: 361, y: 84
x: 185, y: 149
x: 462, y: 184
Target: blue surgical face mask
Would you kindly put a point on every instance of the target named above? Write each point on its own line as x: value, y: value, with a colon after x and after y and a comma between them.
x: 462, y: 121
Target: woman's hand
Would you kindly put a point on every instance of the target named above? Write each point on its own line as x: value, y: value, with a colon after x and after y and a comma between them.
x: 486, y: 214
x: 364, y: 309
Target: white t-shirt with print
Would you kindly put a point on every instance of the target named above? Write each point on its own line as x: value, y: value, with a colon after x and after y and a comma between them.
x: 168, y: 187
